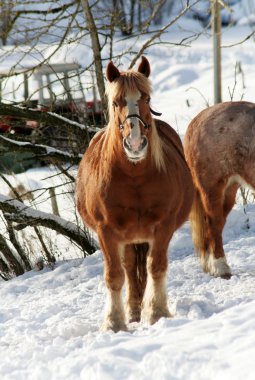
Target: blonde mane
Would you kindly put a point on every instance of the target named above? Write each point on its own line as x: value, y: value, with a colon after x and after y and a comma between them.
x: 158, y: 147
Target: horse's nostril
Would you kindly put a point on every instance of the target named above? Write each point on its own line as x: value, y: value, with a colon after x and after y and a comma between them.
x: 144, y: 142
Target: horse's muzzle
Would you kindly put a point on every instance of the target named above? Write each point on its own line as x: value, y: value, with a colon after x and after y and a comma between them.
x: 135, y: 149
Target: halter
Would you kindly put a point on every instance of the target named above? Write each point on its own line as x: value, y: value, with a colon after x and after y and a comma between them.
x: 146, y: 126
x: 155, y: 113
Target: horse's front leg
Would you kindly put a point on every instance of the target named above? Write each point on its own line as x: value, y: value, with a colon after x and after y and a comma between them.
x: 114, y: 279
x: 154, y: 304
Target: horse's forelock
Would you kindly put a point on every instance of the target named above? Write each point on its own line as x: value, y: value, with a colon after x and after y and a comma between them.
x: 128, y: 82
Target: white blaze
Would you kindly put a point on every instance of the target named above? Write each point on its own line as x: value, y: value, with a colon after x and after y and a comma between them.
x: 133, y: 108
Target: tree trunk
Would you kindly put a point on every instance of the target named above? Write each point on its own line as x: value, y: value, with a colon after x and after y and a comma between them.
x: 132, y: 16
x: 96, y: 47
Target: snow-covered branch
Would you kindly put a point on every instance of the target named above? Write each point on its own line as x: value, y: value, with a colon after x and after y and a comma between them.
x: 26, y: 216
x: 43, y: 151
x: 49, y: 118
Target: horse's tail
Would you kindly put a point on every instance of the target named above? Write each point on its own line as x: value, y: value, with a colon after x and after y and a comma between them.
x: 199, y: 226
x: 141, y: 251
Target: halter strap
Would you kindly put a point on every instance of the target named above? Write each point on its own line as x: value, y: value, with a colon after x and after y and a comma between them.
x: 121, y: 126
x: 155, y: 113
x: 146, y: 126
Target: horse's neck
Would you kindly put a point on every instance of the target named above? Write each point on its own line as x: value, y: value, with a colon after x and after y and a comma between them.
x: 121, y: 163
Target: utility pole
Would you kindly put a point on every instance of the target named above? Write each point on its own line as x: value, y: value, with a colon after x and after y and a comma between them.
x: 216, y: 29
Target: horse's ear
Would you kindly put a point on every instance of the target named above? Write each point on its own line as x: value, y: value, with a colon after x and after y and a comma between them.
x: 144, y: 67
x: 112, y: 72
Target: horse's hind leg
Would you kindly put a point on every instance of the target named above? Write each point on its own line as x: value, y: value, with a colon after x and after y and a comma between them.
x: 114, y: 280
x: 217, y: 204
x: 134, y: 261
x: 229, y: 199
x: 154, y: 304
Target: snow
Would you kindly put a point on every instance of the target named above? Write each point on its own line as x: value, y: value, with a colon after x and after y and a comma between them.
x: 50, y: 320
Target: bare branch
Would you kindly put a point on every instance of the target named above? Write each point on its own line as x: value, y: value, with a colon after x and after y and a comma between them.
x: 158, y: 34
x: 17, y: 245
x: 48, y: 11
x: 10, y: 257
x: 240, y: 42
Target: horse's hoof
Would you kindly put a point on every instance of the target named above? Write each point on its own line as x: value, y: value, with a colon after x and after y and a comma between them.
x: 134, y: 319
x: 226, y: 276
x: 217, y: 267
x: 114, y: 326
x: 153, y: 316
x: 134, y: 316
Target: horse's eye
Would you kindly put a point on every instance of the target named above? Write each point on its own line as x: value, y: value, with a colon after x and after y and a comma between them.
x: 147, y: 101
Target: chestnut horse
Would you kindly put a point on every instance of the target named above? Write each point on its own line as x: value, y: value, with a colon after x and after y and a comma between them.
x: 220, y: 150
x: 134, y: 189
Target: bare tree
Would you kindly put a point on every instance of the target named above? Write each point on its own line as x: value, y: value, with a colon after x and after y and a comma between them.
x: 5, y: 19
x: 68, y: 25
x: 91, y: 25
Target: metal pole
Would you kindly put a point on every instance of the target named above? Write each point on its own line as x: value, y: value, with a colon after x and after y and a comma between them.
x: 216, y: 28
x: 26, y: 87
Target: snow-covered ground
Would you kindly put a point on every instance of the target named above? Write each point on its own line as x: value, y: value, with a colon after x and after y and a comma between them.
x: 49, y: 320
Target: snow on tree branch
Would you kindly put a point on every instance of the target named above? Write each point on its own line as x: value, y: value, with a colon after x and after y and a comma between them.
x: 44, y: 151
x: 26, y: 216
x: 50, y: 118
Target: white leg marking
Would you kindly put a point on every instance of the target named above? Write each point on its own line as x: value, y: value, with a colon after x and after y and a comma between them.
x: 115, y: 316
x: 216, y: 267
x: 155, y: 300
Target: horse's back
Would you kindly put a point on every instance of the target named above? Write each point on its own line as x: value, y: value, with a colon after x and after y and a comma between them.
x: 229, y: 119
x: 220, y: 139
x: 227, y: 111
